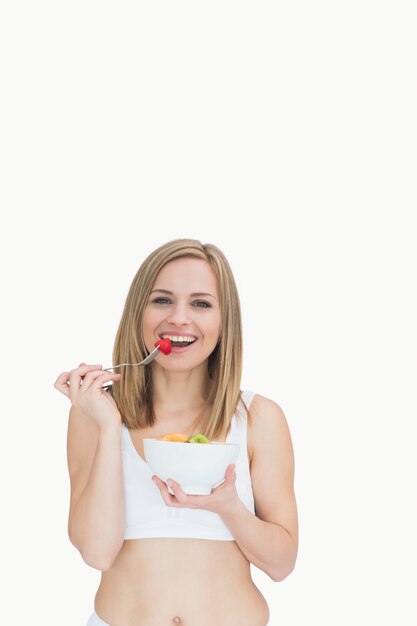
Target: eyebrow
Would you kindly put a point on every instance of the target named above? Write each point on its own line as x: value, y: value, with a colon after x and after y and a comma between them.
x: 191, y: 294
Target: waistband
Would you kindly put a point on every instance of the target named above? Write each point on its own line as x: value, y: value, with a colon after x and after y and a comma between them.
x: 95, y: 620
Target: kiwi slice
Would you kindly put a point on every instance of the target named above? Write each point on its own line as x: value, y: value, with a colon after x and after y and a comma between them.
x: 199, y: 438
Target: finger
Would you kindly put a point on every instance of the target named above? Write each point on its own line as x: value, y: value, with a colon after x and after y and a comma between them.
x: 91, y: 377
x: 68, y: 380
x: 76, y: 376
x: 181, y: 496
x: 101, y: 379
x: 167, y: 497
x: 61, y: 384
x: 231, y: 472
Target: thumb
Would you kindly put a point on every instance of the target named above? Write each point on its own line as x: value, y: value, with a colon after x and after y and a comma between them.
x: 231, y: 472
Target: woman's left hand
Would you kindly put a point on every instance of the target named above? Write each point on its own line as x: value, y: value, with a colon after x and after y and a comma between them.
x: 221, y: 500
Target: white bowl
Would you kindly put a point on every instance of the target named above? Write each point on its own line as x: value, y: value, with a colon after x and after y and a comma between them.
x: 196, y: 467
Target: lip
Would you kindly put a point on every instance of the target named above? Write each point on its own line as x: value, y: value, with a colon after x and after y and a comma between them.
x: 177, y: 334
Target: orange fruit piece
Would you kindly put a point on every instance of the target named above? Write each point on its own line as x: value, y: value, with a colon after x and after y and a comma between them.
x: 175, y: 437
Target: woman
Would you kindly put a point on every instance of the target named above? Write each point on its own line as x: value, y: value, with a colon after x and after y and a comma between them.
x: 166, y: 557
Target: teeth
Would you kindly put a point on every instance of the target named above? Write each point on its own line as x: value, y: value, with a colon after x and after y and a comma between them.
x: 176, y: 338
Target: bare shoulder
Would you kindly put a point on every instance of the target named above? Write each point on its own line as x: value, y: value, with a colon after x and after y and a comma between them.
x: 268, y: 420
x: 272, y: 467
x: 82, y: 440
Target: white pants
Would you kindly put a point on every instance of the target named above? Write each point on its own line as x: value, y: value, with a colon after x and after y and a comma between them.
x: 95, y: 620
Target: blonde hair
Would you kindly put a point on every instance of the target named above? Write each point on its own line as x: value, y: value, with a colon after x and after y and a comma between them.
x: 133, y: 392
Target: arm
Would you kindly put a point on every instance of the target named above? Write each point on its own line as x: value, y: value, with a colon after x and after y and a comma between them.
x: 268, y: 539
x: 96, y: 516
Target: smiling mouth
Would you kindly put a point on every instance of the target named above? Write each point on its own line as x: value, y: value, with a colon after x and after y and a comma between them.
x: 177, y: 343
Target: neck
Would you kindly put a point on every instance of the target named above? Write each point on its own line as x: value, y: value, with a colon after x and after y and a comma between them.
x: 180, y: 395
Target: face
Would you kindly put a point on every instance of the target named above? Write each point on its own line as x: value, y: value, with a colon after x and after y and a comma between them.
x: 178, y: 308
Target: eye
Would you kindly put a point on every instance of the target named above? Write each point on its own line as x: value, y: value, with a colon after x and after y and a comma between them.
x: 202, y: 304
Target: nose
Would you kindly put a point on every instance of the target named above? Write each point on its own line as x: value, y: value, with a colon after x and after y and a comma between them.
x: 179, y: 315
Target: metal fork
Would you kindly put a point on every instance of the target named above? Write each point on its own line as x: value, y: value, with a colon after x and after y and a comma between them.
x: 148, y: 359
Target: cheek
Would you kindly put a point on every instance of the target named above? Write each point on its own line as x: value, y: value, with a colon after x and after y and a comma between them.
x: 149, y: 320
x: 214, y: 329
x: 145, y: 319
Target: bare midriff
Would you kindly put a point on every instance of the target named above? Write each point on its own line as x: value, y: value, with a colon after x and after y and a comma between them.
x: 184, y: 582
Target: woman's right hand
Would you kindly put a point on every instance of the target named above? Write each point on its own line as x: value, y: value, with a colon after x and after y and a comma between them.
x: 83, y: 386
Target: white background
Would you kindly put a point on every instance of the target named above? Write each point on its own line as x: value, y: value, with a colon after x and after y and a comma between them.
x: 285, y: 133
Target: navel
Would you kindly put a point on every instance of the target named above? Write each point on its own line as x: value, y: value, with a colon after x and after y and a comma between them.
x: 177, y: 620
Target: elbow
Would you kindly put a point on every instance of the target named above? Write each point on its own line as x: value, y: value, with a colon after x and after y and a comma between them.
x: 278, y: 575
x: 281, y: 575
x: 99, y: 562
x: 97, y: 558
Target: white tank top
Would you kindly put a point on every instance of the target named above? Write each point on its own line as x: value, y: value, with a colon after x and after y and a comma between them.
x: 147, y: 515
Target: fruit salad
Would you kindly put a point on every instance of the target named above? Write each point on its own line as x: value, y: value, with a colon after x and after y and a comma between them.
x: 180, y: 437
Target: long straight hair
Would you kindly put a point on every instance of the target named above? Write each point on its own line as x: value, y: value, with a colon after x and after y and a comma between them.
x: 133, y: 392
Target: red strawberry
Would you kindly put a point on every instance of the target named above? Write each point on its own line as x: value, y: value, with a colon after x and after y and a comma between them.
x: 164, y: 345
